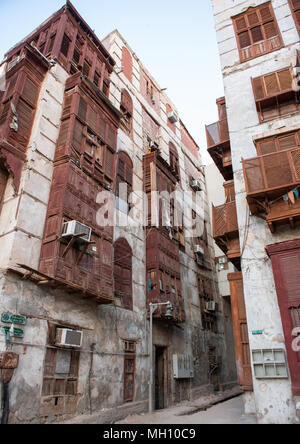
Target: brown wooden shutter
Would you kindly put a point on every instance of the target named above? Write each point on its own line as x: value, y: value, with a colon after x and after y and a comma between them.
x: 109, y: 163
x: 287, y: 142
x: 271, y: 83
x: 285, y: 258
x: 65, y: 45
x: 126, y: 102
x: 266, y: 147
x: 240, y: 329
x: 265, y: 13
x: 285, y: 79
x: 77, y: 135
x: 129, y: 376
x: 82, y: 109
x: 295, y: 7
x: 257, y: 34
x: 124, y: 172
x: 270, y: 30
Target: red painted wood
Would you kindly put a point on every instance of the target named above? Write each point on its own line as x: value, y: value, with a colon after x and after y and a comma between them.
x: 285, y: 258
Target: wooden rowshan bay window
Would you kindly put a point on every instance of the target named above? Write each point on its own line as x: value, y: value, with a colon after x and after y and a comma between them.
x: 295, y: 8
x: 257, y: 32
x: 278, y: 143
x: 274, y: 94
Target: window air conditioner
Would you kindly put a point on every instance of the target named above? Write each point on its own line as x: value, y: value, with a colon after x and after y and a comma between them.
x: 68, y: 338
x: 211, y: 306
x: 196, y: 185
x: 199, y: 250
x: 73, y: 227
x: 153, y: 146
x: 173, y: 117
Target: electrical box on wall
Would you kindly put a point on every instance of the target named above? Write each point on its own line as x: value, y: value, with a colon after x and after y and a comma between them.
x: 270, y: 364
x: 183, y: 366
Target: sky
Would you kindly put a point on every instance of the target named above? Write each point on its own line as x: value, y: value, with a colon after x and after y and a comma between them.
x: 174, y: 39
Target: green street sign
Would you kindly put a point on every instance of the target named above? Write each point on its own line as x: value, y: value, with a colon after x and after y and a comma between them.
x: 9, y: 318
x: 17, y: 332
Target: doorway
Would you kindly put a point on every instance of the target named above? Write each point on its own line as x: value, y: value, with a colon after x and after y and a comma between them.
x: 161, y: 377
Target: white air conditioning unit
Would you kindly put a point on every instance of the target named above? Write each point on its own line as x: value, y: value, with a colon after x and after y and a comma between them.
x: 196, y: 185
x: 173, y: 117
x: 153, y: 146
x: 73, y: 228
x: 68, y: 338
x: 183, y: 366
x: 199, y: 250
x: 211, y: 306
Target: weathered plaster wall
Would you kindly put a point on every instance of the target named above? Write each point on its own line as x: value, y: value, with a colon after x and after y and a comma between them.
x: 193, y: 339
x: 274, y: 401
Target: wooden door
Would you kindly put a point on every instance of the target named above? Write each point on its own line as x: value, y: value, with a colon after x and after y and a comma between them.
x: 285, y: 258
x: 161, y: 378
x: 240, y: 329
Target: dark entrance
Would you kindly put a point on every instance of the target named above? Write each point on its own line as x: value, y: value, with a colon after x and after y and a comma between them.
x: 161, y: 377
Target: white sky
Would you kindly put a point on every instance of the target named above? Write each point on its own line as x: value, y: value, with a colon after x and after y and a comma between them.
x: 175, y: 41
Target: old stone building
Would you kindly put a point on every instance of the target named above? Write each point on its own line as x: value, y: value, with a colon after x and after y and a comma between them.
x: 79, y: 119
x: 255, y: 145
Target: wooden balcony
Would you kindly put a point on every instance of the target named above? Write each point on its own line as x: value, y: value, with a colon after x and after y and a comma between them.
x: 226, y: 231
x: 217, y: 133
x: 272, y: 186
x: 261, y: 48
x: 218, y: 144
x: 275, y: 94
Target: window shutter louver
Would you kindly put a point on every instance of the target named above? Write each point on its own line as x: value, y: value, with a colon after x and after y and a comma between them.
x: 244, y: 39
x: 258, y: 88
x: 257, y: 35
x: 241, y: 24
x: 265, y: 13
x: 30, y: 91
x: 82, y: 109
x: 267, y: 147
x: 77, y: 135
x: 270, y: 30
x: 109, y: 163
x: 271, y: 83
x: 285, y: 79
x: 253, y: 19
x: 287, y: 142
x: 25, y: 118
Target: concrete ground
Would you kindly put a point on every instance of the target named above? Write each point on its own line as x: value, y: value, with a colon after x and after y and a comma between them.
x: 227, y: 412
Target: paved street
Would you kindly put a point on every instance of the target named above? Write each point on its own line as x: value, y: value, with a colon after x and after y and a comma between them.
x: 228, y: 412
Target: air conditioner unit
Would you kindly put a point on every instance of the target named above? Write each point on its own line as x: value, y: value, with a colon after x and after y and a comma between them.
x: 183, y: 366
x: 173, y: 117
x: 211, y: 306
x: 153, y: 146
x: 199, y: 250
x: 196, y: 185
x: 68, y: 338
x: 73, y: 227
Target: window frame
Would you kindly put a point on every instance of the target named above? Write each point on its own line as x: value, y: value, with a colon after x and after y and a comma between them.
x: 248, y: 28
